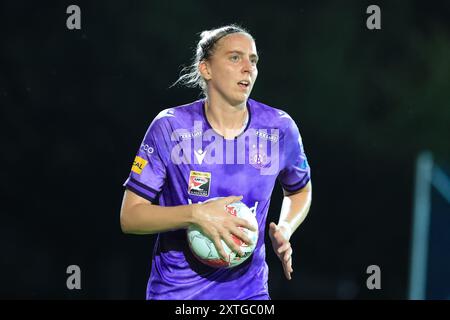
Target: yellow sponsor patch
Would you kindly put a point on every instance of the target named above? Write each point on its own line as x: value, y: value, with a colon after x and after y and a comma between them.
x: 138, y: 164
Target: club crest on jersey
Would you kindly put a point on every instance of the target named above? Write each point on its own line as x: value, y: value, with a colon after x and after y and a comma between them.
x: 199, y: 183
x: 138, y: 164
x: 258, y: 157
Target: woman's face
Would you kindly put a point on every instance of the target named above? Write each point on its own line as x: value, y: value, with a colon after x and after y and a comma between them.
x: 231, y: 70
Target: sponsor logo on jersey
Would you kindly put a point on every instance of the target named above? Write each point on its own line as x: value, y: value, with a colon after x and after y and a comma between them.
x: 189, y: 135
x: 199, y: 183
x: 138, y: 164
x: 266, y: 136
x: 147, y: 149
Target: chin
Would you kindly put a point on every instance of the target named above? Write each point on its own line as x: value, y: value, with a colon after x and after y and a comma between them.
x: 241, y: 99
x: 236, y: 98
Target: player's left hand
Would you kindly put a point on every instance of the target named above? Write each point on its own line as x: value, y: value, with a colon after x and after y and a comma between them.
x: 282, y: 248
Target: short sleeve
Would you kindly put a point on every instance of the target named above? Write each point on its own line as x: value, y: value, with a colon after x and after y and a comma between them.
x: 295, y: 172
x: 148, y: 171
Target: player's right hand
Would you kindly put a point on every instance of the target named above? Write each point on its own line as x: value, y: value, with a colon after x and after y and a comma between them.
x: 215, y: 222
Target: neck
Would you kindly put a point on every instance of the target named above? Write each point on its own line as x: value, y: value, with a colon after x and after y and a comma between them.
x: 223, y: 116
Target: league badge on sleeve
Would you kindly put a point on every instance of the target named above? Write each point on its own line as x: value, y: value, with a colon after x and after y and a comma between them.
x: 199, y: 183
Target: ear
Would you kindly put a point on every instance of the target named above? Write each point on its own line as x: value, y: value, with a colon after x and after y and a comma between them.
x: 205, y: 70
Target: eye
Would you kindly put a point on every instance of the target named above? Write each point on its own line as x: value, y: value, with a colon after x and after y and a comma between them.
x: 254, y: 61
x: 234, y: 58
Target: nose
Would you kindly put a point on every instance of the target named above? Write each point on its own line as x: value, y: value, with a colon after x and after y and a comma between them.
x: 247, y: 66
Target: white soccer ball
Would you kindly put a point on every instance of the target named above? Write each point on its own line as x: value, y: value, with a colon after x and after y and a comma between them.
x: 205, y: 250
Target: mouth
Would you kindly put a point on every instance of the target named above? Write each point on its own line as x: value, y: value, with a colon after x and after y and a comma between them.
x: 244, y: 84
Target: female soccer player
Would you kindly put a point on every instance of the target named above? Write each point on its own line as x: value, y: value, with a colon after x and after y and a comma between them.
x: 238, y: 147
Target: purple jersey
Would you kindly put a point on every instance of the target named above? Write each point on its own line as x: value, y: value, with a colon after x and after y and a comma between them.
x: 182, y: 160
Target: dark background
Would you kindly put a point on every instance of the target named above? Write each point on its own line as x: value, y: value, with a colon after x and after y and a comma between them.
x: 75, y: 105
